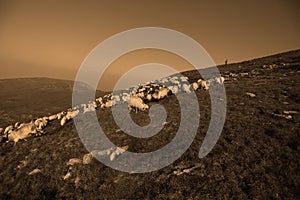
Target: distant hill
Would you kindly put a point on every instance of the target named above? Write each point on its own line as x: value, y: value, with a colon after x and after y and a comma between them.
x: 23, y: 99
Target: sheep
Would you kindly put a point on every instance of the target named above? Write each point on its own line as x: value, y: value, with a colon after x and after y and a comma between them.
x: 161, y: 94
x: 109, y: 104
x: 88, y: 108
x: 173, y: 78
x: 175, y: 82
x: 214, y: 81
x: 186, y: 88
x: 91, y: 104
x: 174, y: 89
x: 107, y: 96
x: 125, y: 97
x: 52, y: 117
x: 219, y: 80
x: 139, y: 94
x: 60, y: 115
x: 40, y: 123
x: 99, y: 99
x: 72, y: 114
x: 96, y: 104
x: 17, y: 124
x: 116, y: 98
x: 63, y: 121
x: 68, y: 116
x: 137, y: 104
x: 149, y: 97
x: 21, y: 125
x: 1, y: 131
x: 184, y: 78
x: 102, y: 105
x: 195, y: 86
x: 202, y: 84
x: 8, y: 129
x: 164, y: 80
x: 23, y: 132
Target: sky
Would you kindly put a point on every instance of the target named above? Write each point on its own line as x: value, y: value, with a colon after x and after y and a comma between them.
x: 52, y: 38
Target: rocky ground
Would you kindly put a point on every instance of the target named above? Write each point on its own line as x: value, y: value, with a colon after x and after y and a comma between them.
x: 256, y: 156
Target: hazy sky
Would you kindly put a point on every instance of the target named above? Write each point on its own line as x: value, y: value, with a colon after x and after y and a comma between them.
x: 51, y: 38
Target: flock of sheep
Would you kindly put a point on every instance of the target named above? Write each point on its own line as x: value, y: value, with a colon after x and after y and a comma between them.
x: 136, y: 98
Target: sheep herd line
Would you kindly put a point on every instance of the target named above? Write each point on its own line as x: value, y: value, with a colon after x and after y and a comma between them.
x: 136, y: 98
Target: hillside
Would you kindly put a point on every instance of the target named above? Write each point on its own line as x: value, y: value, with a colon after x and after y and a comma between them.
x: 257, y: 155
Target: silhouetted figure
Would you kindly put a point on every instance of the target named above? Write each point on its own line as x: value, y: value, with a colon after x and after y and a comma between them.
x: 226, y: 61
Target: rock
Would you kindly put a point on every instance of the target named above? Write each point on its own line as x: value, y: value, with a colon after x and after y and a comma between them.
x: 250, y: 94
x: 233, y: 75
x: 284, y: 116
x: 290, y: 112
x: 76, y: 181
x: 289, y: 117
x: 35, y: 171
x: 87, y: 158
x: 68, y: 175
x: 22, y: 164
x: 244, y: 74
x: 74, y: 161
x: 164, y: 123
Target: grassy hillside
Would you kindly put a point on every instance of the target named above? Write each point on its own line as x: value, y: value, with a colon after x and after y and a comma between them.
x: 257, y: 155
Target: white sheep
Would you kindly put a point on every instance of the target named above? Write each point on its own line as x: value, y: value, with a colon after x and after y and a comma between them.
x: 60, y: 115
x: 109, y: 104
x: 8, y: 129
x: 202, y: 84
x: 174, y: 89
x: 125, y: 97
x: 219, y: 80
x: 184, y: 78
x: 99, y: 99
x: 164, y: 80
x: 195, y: 86
x: 140, y: 95
x: 102, y: 105
x: 23, y: 132
x: 72, y: 114
x: 176, y: 82
x: 186, y: 88
x: 137, y: 104
x: 116, y: 98
x: 88, y: 108
x: 161, y: 94
x: 149, y: 97
x: 68, y: 116
x: 21, y: 125
x: 214, y: 81
x: 40, y: 123
x: 63, y: 121
x: 52, y: 117
x: 17, y: 124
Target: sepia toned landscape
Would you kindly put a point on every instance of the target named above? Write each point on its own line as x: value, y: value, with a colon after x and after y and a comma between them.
x: 143, y: 99
x: 256, y: 156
